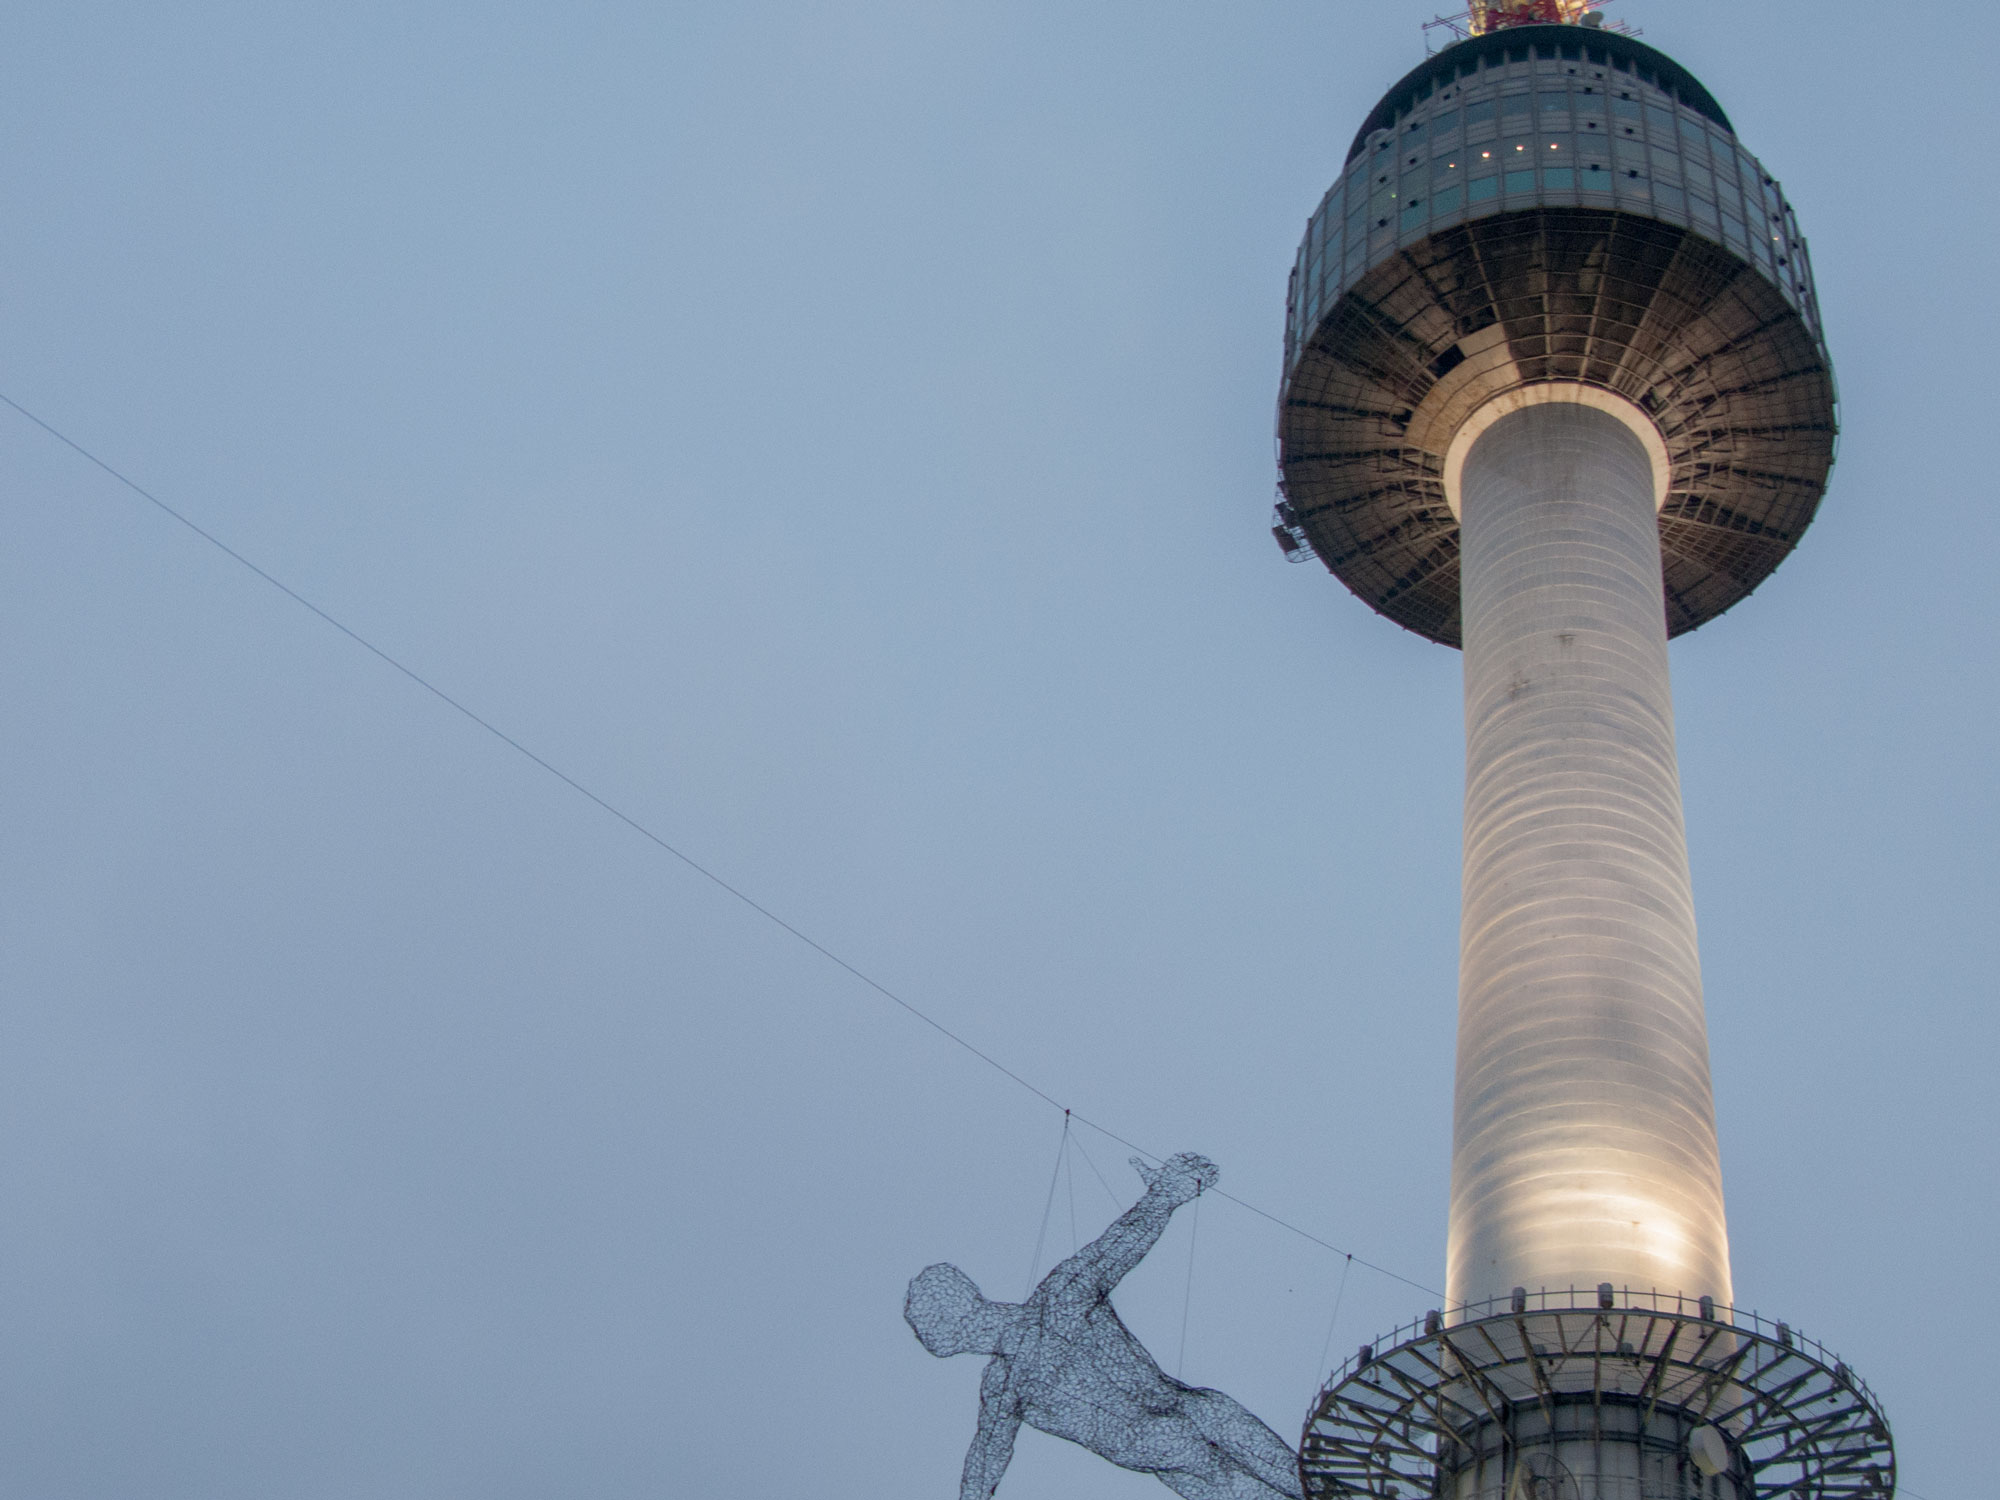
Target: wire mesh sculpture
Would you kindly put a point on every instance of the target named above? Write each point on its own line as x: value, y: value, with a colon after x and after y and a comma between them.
x: 1064, y: 1363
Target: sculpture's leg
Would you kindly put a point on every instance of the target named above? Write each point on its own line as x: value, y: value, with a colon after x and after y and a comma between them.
x: 1209, y: 1483
x: 1253, y: 1462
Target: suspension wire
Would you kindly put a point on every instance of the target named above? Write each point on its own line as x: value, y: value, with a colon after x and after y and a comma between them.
x: 1187, y: 1292
x: 657, y: 840
x: 1117, y: 1204
x: 1069, y: 1181
x: 1306, y: 1234
x: 1326, y: 1347
x: 1034, y: 1265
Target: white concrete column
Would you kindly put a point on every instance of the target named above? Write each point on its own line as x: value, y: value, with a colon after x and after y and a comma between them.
x: 1584, y: 1129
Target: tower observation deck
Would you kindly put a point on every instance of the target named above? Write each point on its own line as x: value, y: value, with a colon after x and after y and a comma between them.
x: 1555, y: 389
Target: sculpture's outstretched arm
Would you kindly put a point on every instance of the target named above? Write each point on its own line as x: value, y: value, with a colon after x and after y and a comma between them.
x: 1107, y: 1259
x: 993, y: 1445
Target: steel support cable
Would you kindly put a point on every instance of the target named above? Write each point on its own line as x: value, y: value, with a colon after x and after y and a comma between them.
x: 1118, y: 1204
x: 1035, y: 1264
x: 1333, y: 1318
x: 1187, y: 1293
x: 1069, y: 1186
x: 472, y: 715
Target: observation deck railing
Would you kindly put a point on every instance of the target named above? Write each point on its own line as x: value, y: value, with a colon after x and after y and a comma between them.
x: 1450, y: 1384
x: 1578, y: 1299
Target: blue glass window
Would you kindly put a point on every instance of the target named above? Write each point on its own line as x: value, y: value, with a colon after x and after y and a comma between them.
x: 1521, y: 182
x: 1482, y: 188
x: 1558, y: 177
x: 1479, y: 114
x: 1445, y: 200
x: 1670, y: 197
x: 1515, y: 104
x: 1625, y: 107
x: 1414, y: 213
x: 1660, y: 122
x: 1554, y: 100
x: 1595, y: 177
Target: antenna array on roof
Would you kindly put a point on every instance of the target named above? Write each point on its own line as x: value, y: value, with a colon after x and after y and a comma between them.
x: 1483, y: 16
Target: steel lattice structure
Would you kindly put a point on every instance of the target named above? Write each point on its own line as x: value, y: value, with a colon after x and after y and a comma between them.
x: 1497, y: 1389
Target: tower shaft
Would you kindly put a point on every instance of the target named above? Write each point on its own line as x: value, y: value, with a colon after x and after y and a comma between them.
x: 1584, y: 1146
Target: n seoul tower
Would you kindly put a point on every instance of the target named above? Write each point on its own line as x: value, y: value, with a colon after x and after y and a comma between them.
x: 1556, y: 390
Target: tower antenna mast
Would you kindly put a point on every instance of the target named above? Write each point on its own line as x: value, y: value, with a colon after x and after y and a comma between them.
x: 1486, y: 16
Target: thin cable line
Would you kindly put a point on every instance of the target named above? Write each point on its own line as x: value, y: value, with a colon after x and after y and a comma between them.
x: 1262, y: 1213
x: 631, y: 822
x: 507, y: 739
x: 1117, y: 1205
x: 1034, y: 1265
x: 1187, y: 1292
x: 1323, y: 1244
x: 1069, y: 1181
x: 1326, y: 1347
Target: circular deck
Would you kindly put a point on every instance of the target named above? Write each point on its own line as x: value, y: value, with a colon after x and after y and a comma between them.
x: 1554, y: 209
x: 1516, y: 1385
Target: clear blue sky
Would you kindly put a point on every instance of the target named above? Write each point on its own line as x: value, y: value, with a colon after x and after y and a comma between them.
x: 840, y: 434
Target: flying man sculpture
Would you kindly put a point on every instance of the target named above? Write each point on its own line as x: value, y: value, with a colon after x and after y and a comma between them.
x: 1064, y: 1363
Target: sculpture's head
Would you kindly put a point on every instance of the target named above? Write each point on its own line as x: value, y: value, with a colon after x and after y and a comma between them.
x: 949, y: 1315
